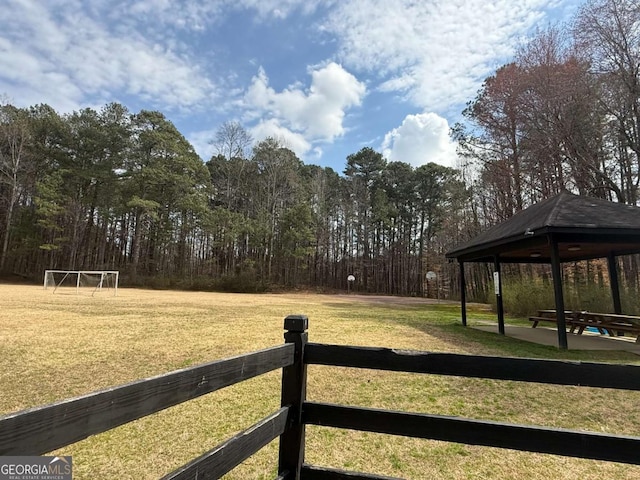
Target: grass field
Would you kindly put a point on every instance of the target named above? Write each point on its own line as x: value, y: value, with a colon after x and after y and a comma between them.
x: 55, y: 346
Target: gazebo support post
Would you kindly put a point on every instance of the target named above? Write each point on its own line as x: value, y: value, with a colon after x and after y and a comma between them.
x: 499, y: 305
x: 557, y: 287
x: 615, y: 286
x: 463, y: 295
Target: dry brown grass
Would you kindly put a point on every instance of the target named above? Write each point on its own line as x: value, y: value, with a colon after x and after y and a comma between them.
x: 57, y: 346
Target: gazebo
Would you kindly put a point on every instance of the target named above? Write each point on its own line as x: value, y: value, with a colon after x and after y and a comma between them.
x: 563, y: 228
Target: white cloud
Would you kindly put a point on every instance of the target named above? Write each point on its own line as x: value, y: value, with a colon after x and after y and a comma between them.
x: 189, y: 15
x: 421, y: 139
x: 401, y: 83
x: 333, y: 90
x: 62, y: 54
x: 280, y: 9
x: 198, y: 15
x: 201, y: 141
x: 305, y: 116
x: 272, y: 128
x: 437, y: 52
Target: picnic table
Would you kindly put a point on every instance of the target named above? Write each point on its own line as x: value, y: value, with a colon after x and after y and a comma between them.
x: 550, y: 316
x: 611, y: 323
x: 606, y: 323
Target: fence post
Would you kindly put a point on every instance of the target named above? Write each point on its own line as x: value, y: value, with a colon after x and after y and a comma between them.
x: 294, y: 390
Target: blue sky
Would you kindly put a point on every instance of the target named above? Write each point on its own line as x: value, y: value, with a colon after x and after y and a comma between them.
x: 325, y: 77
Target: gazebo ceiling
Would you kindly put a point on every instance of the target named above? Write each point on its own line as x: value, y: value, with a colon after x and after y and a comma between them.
x: 582, y: 227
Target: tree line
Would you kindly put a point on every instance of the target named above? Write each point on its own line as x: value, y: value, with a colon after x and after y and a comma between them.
x: 112, y: 189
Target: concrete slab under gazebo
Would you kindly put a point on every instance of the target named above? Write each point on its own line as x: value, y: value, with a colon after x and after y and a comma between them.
x: 563, y: 228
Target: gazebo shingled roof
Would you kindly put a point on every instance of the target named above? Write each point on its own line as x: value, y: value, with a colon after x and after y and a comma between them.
x: 563, y: 228
x: 597, y: 226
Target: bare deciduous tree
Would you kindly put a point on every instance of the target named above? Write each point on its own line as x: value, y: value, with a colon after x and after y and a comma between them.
x: 232, y: 141
x: 14, y: 164
x: 608, y: 31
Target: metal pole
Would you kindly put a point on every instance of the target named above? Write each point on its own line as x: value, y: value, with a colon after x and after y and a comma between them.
x: 463, y: 295
x: 498, y: 288
x: 557, y: 288
x: 615, y: 286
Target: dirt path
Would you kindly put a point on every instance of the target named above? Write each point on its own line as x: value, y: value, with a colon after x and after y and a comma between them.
x: 392, y: 300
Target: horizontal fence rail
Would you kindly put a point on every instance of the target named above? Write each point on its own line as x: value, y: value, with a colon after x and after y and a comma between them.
x: 570, y: 443
x: 559, y: 372
x: 228, y: 455
x: 43, y: 429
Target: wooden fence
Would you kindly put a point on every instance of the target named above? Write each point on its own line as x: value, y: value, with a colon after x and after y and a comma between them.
x: 40, y: 430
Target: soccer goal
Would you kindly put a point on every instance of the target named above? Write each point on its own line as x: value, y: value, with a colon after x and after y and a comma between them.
x: 90, y: 281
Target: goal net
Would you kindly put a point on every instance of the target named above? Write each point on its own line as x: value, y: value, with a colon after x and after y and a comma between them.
x: 89, y: 281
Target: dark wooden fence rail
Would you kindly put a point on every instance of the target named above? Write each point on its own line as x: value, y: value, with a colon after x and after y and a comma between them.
x: 43, y: 429
x: 616, y: 448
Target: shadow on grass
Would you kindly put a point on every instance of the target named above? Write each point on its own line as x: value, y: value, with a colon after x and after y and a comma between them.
x: 442, y: 321
x: 513, y: 347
